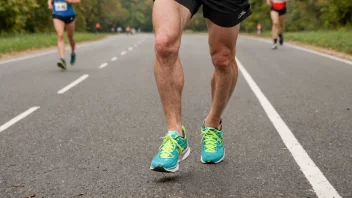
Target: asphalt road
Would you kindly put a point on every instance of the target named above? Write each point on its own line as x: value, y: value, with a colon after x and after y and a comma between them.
x: 287, y: 128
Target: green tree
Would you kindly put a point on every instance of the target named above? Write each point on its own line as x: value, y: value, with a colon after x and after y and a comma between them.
x: 14, y: 14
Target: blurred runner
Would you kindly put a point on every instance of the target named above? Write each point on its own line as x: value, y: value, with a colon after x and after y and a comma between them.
x: 64, y: 16
x: 259, y: 28
x: 97, y: 27
x: 278, y: 14
x: 119, y: 29
x: 128, y: 30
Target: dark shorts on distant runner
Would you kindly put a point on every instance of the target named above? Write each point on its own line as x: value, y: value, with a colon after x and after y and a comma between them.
x: 225, y: 13
x: 66, y: 20
x: 281, y: 12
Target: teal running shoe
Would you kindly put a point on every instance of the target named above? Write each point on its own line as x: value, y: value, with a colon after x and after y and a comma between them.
x: 173, y: 150
x: 62, y: 63
x: 73, y: 58
x: 212, y: 150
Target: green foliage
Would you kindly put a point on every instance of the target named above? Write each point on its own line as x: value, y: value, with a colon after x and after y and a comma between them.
x: 342, y: 40
x: 14, y: 14
x: 304, y: 15
x: 34, y: 16
x: 197, y: 23
x: 337, y: 40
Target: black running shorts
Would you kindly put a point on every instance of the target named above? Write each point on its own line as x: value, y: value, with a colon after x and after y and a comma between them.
x: 66, y: 20
x: 225, y: 13
x: 281, y: 12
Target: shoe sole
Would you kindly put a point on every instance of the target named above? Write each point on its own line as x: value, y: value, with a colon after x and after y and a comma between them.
x: 182, y: 157
x: 201, y: 159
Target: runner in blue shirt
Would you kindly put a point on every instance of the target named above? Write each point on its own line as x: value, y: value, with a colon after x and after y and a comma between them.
x: 64, y: 16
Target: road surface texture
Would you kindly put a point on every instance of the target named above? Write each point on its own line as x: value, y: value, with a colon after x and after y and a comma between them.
x: 92, y: 131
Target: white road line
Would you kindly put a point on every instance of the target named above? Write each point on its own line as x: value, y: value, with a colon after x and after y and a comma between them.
x: 103, y: 65
x: 114, y: 58
x: 17, y: 118
x: 306, y: 50
x: 316, y: 178
x: 130, y: 48
x: 320, y: 54
x: 123, y: 53
x: 74, y: 83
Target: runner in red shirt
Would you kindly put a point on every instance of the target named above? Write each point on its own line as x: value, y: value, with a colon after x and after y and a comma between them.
x: 259, y: 28
x: 278, y: 14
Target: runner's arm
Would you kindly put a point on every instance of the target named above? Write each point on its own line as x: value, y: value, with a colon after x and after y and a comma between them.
x: 50, y: 4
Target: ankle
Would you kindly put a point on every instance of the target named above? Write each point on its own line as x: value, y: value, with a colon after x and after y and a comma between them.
x: 178, y: 130
x: 214, y: 123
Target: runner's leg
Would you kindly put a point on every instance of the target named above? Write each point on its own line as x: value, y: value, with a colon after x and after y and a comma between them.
x: 222, y: 42
x: 60, y: 28
x: 281, y: 28
x: 275, y: 21
x: 169, y: 20
x: 281, y: 23
x: 70, y: 28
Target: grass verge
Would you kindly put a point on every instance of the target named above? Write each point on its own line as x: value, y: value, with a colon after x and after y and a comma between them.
x: 22, y: 42
x: 336, y: 40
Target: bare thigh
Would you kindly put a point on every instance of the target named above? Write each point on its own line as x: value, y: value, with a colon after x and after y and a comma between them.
x: 282, y: 20
x: 222, y: 39
x: 169, y: 21
x: 59, y: 27
x: 70, y: 28
x: 274, y: 17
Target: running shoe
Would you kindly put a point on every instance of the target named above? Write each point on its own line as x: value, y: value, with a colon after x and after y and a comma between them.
x: 274, y: 46
x: 62, y: 63
x: 281, y: 39
x: 73, y: 58
x: 212, y: 150
x: 173, y: 150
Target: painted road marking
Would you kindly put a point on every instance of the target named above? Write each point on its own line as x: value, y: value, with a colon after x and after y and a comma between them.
x: 17, y: 118
x: 316, y: 178
x: 74, y: 83
x: 103, y: 65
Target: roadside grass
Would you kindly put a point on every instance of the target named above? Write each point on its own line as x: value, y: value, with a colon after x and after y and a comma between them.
x: 336, y: 40
x: 22, y: 42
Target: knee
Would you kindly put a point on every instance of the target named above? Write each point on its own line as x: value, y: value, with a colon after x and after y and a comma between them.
x: 222, y: 59
x: 275, y: 23
x: 71, y: 38
x: 60, y: 36
x: 167, y: 46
